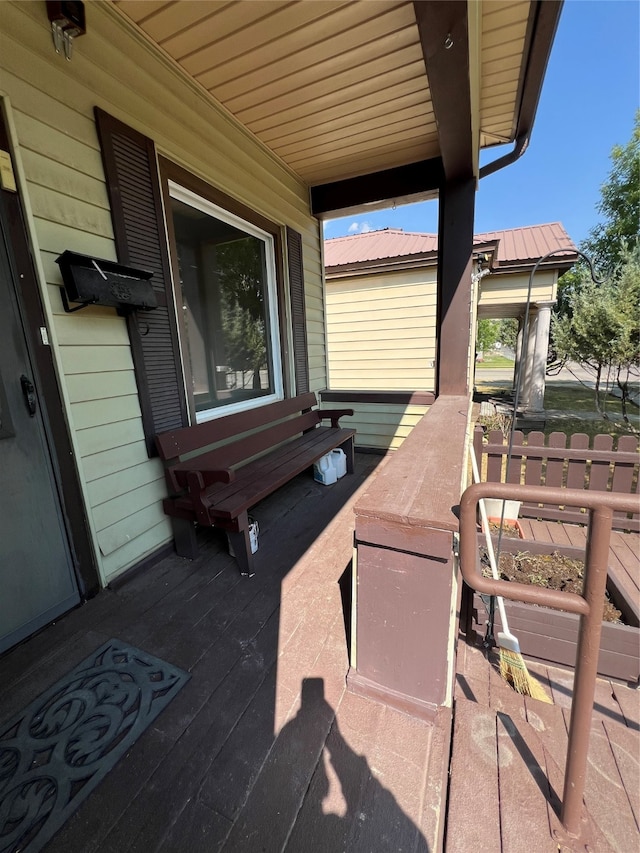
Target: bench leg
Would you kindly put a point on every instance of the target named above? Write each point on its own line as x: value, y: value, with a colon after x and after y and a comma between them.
x: 241, y: 545
x: 184, y: 534
x: 350, y: 454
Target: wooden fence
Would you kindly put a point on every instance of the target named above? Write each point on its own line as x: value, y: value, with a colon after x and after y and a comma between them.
x: 577, y: 466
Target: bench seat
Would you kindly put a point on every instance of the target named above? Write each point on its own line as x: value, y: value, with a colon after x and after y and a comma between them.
x: 269, y: 446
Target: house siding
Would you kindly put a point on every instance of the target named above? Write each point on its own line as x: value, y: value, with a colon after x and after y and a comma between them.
x: 500, y: 290
x: 381, y: 332
x: 58, y: 156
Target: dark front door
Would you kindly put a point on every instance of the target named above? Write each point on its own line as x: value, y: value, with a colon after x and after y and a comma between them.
x: 37, y: 581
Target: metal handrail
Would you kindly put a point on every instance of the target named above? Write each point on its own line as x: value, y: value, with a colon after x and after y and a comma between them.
x: 589, y: 606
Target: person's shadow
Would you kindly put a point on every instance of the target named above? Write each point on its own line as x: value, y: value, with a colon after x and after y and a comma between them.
x: 373, y: 822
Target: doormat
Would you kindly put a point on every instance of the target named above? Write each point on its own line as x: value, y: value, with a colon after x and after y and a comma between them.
x: 57, y: 750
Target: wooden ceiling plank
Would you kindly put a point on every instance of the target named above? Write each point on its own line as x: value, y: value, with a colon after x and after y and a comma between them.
x: 384, y: 143
x: 496, y: 16
x: 321, y: 23
x: 390, y: 69
x: 342, y: 100
x: 175, y: 18
x: 383, y: 31
x: 192, y: 47
x: 444, y: 35
x: 350, y: 63
x: 355, y: 135
x: 500, y: 78
x: 505, y: 87
x: 494, y: 38
x: 363, y: 142
x: 338, y: 117
x: 139, y: 10
x: 508, y: 49
x: 270, y: 33
x: 506, y: 63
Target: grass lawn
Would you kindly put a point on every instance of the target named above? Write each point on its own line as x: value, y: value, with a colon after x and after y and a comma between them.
x: 496, y: 362
x: 579, y: 413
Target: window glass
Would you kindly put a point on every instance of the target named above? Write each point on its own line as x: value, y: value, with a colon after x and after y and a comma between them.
x: 227, y: 279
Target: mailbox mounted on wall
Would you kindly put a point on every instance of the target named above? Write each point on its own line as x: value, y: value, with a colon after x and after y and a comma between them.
x: 92, y: 281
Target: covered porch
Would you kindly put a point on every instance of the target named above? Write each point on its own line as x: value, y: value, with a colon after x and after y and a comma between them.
x: 265, y: 748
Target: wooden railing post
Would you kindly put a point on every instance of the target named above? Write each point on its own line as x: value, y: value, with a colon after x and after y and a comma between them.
x: 589, y: 606
x: 586, y: 671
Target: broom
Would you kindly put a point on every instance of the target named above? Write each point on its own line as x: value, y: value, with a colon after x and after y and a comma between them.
x: 512, y: 666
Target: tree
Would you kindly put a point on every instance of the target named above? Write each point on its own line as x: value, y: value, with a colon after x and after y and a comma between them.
x: 508, y: 332
x: 619, y: 205
x: 487, y: 335
x: 601, y: 330
x: 242, y: 304
x: 611, y: 240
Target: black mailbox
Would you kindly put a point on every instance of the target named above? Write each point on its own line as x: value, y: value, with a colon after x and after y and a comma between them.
x: 92, y: 281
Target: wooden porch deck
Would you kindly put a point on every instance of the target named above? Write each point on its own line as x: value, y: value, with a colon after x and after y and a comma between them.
x: 507, y: 765
x: 263, y: 749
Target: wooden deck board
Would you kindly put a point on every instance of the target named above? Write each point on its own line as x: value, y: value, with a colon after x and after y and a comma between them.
x: 246, y: 748
x: 522, y: 770
x: 473, y: 812
x: 528, y: 763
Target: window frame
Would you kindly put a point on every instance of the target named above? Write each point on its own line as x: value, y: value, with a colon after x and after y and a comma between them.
x: 196, y: 192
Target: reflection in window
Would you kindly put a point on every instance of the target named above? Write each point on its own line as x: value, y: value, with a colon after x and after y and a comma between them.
x: 228, y: 302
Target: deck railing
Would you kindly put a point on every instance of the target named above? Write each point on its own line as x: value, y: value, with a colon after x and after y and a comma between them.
x: 589, y: 606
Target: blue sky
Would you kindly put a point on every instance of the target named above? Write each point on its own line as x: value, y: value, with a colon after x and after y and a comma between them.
x: 588, y: 102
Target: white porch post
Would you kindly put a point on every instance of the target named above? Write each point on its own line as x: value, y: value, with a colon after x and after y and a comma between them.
x: 518, y: 359
x: 527, y: 363
x: 535, y: 402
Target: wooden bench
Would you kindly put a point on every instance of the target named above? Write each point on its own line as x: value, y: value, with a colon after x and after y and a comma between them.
x: 237, y: 460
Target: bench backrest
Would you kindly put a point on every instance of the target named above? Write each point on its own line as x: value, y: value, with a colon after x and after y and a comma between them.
x: 579, y: 466
x: 179, y: 442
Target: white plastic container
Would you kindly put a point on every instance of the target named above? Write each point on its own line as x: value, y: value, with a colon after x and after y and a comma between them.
x: 324, y: 471
x: 254, y: 533
x: 339, y: 462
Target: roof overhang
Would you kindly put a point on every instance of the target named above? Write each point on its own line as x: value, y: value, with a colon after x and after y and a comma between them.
x: 364, y: 102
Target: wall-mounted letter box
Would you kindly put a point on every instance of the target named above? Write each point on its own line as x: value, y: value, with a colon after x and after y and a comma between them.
x: 92, y: 281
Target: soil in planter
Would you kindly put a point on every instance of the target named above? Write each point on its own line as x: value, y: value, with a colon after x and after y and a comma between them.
x: 553, y: 571
x: 509, y: 531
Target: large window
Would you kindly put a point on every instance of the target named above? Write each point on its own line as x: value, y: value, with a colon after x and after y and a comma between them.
x: 229, y: 304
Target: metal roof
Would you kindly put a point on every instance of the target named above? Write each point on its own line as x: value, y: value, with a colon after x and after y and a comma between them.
x: 513, y: 246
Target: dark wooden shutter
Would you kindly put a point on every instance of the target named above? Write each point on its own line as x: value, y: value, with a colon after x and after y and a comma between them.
x: 136, y: 210
x: 298, y: 317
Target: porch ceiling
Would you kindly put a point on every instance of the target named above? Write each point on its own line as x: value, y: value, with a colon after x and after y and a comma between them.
x: 343, y: 88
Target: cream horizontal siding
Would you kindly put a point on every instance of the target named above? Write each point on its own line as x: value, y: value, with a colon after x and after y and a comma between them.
x: 381, y: 331
x: 504, y: 290
x: 381, y: 427
x: 52, y: 103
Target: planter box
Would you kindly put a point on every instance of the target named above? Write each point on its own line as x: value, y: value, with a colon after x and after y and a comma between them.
x: 551, y: 636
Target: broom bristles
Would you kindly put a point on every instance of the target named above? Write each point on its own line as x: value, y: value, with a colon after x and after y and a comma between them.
x: 514, y: 670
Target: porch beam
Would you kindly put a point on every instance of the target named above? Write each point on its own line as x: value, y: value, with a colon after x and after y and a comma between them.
x: 414, y: 182
x: 455, y: 258
x: 444, y: 34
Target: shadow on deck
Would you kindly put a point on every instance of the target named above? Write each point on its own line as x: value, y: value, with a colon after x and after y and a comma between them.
x: 263, y: 749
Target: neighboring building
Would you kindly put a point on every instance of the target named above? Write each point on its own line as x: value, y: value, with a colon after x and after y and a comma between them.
x: 203, y: 142
x: 382, y: 316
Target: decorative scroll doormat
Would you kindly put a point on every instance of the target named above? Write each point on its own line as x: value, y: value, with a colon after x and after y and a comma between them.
x: 55, y: 751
